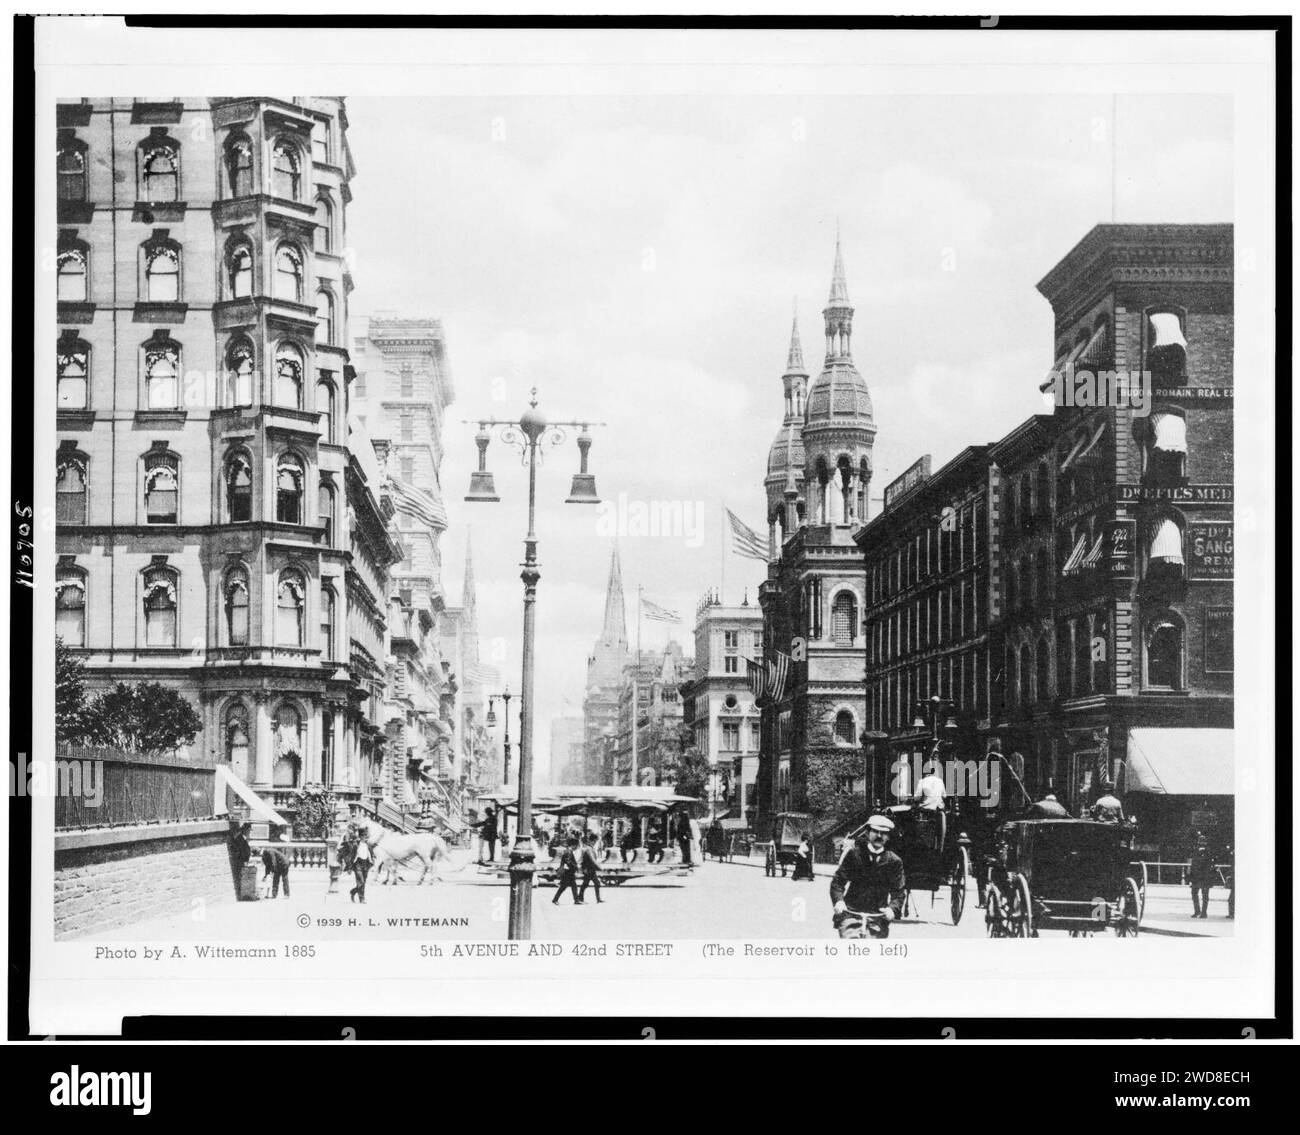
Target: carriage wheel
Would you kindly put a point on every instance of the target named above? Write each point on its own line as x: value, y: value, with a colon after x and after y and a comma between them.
x: 1130, y: 911
x: 957, y: 888
x: 1020, y: 914
x: 994, y: 924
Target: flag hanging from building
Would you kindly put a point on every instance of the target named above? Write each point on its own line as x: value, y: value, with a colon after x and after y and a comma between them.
x: 423, y: 506
x: 745, y: 541
x: 757, y: 678
x: 777, y: 672
x: 486, y: 675
x: 657, y: 613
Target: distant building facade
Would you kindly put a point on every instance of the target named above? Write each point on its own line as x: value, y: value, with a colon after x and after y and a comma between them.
x: 719, y: 703
x: 568, y: 750
x: 648, y: 738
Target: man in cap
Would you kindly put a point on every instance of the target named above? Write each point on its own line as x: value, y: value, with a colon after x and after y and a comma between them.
x: 869, y: 880
x: 1201, y: 873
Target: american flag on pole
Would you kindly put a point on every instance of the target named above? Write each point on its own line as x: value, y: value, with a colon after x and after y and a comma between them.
x: 657, y: 613
x: 757, y: 678
x: 768, y: 681
x: 745, y: 541
x: 419, y: 504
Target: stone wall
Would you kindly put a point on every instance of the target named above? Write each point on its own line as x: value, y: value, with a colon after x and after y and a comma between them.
x: 111, y: 878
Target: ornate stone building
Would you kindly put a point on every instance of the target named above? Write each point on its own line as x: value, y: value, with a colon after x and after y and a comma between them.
x: 221, y: 527
x: 818, y: 473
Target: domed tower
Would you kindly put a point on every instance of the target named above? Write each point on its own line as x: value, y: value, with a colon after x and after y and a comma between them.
x: 838, y: 429
x: 785, y: 460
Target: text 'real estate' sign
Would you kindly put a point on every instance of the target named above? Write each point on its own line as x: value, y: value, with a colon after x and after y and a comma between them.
x: 1121, y: 549
x: 1209, y: 549
x: 919, y: 472
x: 1218, y: 640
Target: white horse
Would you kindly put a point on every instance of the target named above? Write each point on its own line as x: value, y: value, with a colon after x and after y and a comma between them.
x: 393, y: 849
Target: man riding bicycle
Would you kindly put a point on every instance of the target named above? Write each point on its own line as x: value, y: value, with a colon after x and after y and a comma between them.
x: 869, y: 887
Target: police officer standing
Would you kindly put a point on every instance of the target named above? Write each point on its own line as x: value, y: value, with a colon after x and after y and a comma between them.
x: 869, y: 880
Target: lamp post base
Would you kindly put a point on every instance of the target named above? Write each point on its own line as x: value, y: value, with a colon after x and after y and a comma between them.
x: 523, y: 867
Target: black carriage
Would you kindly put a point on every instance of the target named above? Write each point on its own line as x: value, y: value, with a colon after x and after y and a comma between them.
x: 780, y: 851
x: 1061, y: 874
x: 935, y: 851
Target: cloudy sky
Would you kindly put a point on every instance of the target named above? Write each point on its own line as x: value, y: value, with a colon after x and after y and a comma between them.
x: 637, y: 260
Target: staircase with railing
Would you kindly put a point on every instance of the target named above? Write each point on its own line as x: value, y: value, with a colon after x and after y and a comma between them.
x: 382, y: 812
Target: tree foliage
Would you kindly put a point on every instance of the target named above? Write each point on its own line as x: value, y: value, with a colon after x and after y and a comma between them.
x: 148, y: 718
x: 831, y: 770
x: 70, y: 721
x: 690, y: 774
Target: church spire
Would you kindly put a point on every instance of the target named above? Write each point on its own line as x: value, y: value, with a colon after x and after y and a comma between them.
x: 469, y: 599
x: 794, y: 361
x: 614, y: 632
x: 838, y: 310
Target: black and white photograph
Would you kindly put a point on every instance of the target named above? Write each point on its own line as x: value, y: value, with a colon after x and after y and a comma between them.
x: 632, y: 499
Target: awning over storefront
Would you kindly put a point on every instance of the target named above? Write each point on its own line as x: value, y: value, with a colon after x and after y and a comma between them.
x: 1166, y: 331
x: 257, y: 807
x: 1167, y: 542
x: 1180, y: 762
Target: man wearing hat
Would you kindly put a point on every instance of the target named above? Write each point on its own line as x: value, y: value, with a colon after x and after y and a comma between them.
x: 869, y: 880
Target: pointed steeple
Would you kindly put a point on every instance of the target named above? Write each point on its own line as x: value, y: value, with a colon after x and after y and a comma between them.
x: 614, y: 632
x: 838, y: 310
x: 839, y: 285
x: 794, y: 360
x: 469, y: 598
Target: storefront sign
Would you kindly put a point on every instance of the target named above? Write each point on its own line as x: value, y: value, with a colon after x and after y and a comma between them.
x: 1120, y: 549
x: 1209, y: 549
x: 1194, y: 393
x: 1218, y: 640
x: 1177, y: 494
x: 920, y: 471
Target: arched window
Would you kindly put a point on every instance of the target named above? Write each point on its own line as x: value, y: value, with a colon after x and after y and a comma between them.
x: 70, y: 490
x: 162, y: 273
x: 325, y: 316
x: 239, y: 265
x: 237, y: 739
x: 327, y: 622
x: 73, y: 277
x: 844, y: 617
x: 1165, y: 558
x: 160, y: 608
x: 286, y: 177
x: 162, y: 368
x: 1042, y: 491
x: 161, y: 484
x: 324, y: 225
x: 1164, y: 655
x: 844, y: 728
x: 326, y: 507
x: 74, y: 369
x: 236, y: 607
x: 1044, y: 575
x: 1166, y: 348
x: 289, y: 490
x: 288, y: 747
x: 290, y: 609
x: 1013, y: 588
x: 288, y: 376
x: 288, y: 273
x: 239, y: 373
x: 239, y: 488
x: 70, y: 606
x: 71, y: 167
x: 239, y: 165
x: 1026, y: 695
x: 160, y: 170
x: 1166, y: 448
x: 1043, y: 668
x: 325, y: 404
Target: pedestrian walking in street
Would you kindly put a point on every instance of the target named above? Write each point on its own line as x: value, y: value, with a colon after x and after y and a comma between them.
x: 277, y: 869
x: 803, y: 859
x: 630, y: 845
x: 683, y: 834
x: 361, y: 861
x: 869, y: 881
x: 240, y: 852
x: 590, y: 865
x: 1200, y: 873
x: 487, y: 834
x: 568, y: 876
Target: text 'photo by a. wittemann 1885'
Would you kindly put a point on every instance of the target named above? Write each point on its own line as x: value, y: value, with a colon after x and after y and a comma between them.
x: 470, y: 509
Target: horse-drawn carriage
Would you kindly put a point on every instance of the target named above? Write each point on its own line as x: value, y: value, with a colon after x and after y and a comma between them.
x: 1061, y: 874
x: 780, y: 851
x: 935, y: 852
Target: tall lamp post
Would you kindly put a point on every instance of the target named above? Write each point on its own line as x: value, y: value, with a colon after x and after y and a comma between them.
x: 532, y: 435
x: 505, y: 747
